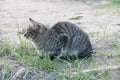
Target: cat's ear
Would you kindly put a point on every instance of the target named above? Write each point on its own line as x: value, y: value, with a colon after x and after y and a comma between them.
x: 33, y: 21
x: 37, y: 25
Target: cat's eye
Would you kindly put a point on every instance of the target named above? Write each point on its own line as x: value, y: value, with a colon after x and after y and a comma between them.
x: 30, y: 33
x: 27, y: 34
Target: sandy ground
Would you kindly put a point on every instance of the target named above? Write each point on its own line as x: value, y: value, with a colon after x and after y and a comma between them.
x: 49, y: 12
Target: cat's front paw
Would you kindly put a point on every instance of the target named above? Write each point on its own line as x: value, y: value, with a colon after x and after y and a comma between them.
x: 41, y: 57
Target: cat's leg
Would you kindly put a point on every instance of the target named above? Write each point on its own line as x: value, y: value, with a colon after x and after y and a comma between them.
x: 54, y: 53
x: 65, y: 39
x: 81, y: 47
x: 40, y: 52
x: 85, y: 50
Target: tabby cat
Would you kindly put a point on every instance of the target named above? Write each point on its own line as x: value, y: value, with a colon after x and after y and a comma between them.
x: 64, y: 39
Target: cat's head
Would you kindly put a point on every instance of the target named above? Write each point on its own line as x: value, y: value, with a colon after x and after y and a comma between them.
x: 34, y: 30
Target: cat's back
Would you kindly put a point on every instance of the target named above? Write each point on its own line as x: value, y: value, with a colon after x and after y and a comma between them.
x: 68, y: 28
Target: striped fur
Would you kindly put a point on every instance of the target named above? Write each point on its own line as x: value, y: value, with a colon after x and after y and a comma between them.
x: 64, y: 38
x: 78, y: 45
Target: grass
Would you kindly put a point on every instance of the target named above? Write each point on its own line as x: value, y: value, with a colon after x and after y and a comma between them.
x: 76, y: 18
x: 109, y: 6
x: 34, y: 68
x: 113, y: 5
x: 111, y: 1
x: 115, y: 1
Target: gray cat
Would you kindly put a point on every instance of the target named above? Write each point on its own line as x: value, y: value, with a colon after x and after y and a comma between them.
x: 64, y: 39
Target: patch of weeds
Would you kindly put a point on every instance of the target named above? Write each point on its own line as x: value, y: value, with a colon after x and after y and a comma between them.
x: 103, y: 75
x: 113, y: 6
x: 115, y: 1
x: 5, y: 48
x: 76, y: 18
x: 6, y: 73
x: 104, y: 6
x: 110, y: 7
x: 6, y: 65
x: 27, y: 56
x: 79, y: 77
x: 6, y: 76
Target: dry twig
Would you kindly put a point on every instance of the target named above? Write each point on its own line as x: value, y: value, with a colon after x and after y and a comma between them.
x: 108, y: 68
